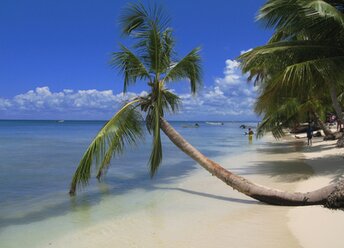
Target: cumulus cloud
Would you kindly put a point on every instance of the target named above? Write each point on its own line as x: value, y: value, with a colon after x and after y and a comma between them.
x: 230, y: 97
x: 4, y: 104
x: 72, y: 104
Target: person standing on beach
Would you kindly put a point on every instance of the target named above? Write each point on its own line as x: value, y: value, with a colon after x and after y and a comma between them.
x: 250, y: 135
x: 309, y: 135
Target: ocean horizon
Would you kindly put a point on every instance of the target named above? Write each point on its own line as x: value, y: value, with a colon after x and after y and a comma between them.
x: 100, y: 120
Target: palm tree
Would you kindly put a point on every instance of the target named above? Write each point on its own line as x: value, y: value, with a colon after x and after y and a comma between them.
x: 153, y: 62
x: 282, y: 109
x: 306, y: 50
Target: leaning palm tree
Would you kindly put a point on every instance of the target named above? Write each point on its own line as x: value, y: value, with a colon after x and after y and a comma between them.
x: 154, y: 62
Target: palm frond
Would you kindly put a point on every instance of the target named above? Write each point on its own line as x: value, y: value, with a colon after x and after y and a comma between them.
x: 168, y: 47
x: 170, y: 101
x: 323, y: 70
x: 154, y: 49
x: 287, y: 52
x: 268, y: 124
x: 187, y: 68
x: 133, y: 19
x: 123, y: 128
x: 136, y: 19
x: 156, y: 154
x: 280, y: 13
x: 315, y: 58
x: 280, y: 116
x: 313, y: 18
x: 130, y: 65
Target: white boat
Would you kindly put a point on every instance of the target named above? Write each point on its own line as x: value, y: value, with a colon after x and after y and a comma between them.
x: 214, y: 123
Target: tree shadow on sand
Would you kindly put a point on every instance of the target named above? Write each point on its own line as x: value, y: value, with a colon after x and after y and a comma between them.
x: 212, y: 196
x: 281, y: 147
x: 282, y: 171
x: 291, y: 171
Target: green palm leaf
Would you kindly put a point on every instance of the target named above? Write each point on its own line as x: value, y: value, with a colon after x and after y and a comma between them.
x: 156, y: 154
x: 137, y: 20
x: 189, y: 67
x: 170, y: 101
x: 130, y: 65
x: 123, y: 128
x: 327, y: 10
x: 313, y: 18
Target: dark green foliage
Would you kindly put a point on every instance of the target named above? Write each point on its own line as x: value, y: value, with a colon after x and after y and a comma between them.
x: 302, y: 62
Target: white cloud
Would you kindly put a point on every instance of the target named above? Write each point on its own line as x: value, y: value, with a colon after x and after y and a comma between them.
x: 4, y: 104
x: 45, y: 103
x: 232, y: 74
x: 230, y: 97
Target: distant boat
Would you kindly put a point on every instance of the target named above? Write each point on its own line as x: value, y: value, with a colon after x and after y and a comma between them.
x: 60, y: 121
x: 191, y: 126
x: 215, y: 123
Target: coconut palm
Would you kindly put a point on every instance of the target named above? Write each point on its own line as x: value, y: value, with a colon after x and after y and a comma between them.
x: 154, y: 62
x: 306, y: 50
x: 281, y: 109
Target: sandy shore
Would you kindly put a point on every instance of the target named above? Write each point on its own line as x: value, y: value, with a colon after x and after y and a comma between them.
x: 200, y: 211
x: 316, y: 226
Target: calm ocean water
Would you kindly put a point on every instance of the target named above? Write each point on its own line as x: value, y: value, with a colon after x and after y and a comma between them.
x: 38, y: 158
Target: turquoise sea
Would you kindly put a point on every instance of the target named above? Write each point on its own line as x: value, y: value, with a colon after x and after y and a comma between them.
x: 38, y: 159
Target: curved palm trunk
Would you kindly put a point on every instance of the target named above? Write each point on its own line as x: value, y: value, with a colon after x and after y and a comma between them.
x: 326, y: 130
x: 339, y: 112
x: 335, y: 102
x: 258, y: 192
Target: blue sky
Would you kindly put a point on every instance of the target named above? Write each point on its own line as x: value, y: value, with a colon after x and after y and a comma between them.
x: 54, y: 57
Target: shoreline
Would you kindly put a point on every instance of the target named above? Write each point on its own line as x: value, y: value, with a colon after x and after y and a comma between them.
x: 201, y: 211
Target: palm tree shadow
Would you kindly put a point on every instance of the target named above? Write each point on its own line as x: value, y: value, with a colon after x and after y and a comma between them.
x: 282, y: 148
x: 290, y: 171
x: 212, y: 196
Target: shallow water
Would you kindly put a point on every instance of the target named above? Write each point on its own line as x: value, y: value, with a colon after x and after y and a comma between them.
x: 38, y: 159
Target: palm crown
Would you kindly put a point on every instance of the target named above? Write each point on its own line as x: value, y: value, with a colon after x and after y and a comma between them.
x: 304, y: 55
x: 152, y: 60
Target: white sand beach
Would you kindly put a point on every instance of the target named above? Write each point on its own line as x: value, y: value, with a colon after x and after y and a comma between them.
x: 200, y: 211
x: 316, y: 226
